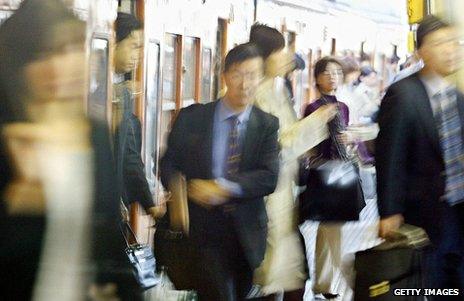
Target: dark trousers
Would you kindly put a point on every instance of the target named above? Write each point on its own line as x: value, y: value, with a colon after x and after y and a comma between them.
x: 213, y: 263
x: 223, y: 273
x: 20, y: 249
x: 444, y: 262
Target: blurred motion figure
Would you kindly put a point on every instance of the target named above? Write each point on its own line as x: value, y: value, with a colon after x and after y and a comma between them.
x: 228, y: 152
x: 420, y: 166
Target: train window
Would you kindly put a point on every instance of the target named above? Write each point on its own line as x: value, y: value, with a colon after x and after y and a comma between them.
x: 151, y: 112
x: 189, y: 65
x: 219, y: 55
x: 206, y: 76
x: 127, y: 6
x: 290, y: 39
x: 169, y: 72
x: 98, y: 86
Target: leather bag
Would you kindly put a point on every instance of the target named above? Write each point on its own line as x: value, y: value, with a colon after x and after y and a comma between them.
x: 141, y: 259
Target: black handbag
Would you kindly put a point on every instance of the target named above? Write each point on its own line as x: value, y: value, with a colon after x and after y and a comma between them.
x: 333, y: 187
x: 141, y: 259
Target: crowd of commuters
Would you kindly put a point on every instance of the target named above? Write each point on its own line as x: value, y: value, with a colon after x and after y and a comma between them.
x: 65, y: 176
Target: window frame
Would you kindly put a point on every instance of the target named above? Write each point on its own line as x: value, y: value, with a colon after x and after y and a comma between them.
x: 152, y: 153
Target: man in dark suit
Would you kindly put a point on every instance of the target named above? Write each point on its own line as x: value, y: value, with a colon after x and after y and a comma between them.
x: 419, y: 157
x: 228, y: 152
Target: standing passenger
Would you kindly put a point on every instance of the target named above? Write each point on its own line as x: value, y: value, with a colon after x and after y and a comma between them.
x: 128, y: 136
x: 228, y: 152
x: 420, y: 167
x: 283, y: 268
x: 328, y: 73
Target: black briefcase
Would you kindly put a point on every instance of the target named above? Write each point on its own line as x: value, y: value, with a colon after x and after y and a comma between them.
x: 392, y: 265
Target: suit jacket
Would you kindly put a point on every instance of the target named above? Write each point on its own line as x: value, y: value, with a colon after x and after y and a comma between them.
x: 130, y: 167
x: 409, y: 161
x: 189, y: 151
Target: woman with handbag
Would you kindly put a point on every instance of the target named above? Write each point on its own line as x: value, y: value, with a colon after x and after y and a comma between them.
x: 283, y: 268
x: 328, y: 73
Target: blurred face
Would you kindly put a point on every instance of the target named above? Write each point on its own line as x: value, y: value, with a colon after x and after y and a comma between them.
x: 370, y: 80
x: 128, y: 51
x: 351, y: 77
x: 59, y: 76
x: 242, y: 80
x: 279, y: 63
x: 329, y: 80
x: 441, y: 52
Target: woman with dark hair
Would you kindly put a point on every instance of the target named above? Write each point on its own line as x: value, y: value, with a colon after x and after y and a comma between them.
x: 284, y: 265
x: 53, y: 150
x: 328, y: 73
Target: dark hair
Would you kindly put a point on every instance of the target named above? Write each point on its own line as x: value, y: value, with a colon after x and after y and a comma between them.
x: 299, y: 62
x: 349, y: 65
x: 428, y: 25
x: 394, y: 59
x: 125, y: 24
x: 24, y: 37
x: 267, y: 39
x: 321, y: 65
x: 365, y: 71
x: 241, y: 53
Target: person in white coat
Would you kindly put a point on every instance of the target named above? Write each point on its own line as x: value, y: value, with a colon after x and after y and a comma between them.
x: 283, y: 268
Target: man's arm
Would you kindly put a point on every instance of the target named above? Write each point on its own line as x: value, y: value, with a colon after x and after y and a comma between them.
x: 133, y: 167
x: 391, y: 158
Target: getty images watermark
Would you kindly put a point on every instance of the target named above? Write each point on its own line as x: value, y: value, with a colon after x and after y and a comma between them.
x: 426, y: 292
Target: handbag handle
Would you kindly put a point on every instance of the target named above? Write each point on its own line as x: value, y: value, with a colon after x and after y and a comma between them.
x: 127, y: 226
x: 340, y: 148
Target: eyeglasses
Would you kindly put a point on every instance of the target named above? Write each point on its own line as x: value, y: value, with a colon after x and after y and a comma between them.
x: 337, y: 72
x: 237, y: 76
x: 454, y: 41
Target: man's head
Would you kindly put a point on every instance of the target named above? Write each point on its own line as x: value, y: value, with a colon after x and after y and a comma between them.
x: 129, y: 41
x: 438, y: 46
x: 243, y: 70
x: 267, y: 39
x: 368, y: 76
x: 271, y: 44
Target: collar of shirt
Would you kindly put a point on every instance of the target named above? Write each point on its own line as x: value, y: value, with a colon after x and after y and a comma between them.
x: 434, y: 84
x: 224, y: 113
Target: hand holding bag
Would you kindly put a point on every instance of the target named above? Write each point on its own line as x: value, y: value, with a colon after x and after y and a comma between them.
x: 333, y: 188
x: 396, y: 263
x: 141, y: 259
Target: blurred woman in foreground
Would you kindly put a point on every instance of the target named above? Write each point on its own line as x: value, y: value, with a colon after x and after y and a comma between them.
x: 52, y: 149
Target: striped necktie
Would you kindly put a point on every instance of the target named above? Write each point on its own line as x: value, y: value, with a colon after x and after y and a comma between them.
x: 450, y: 132
x: 233, y: 151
